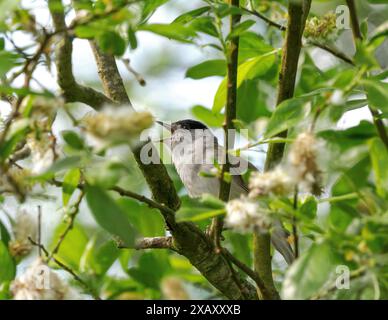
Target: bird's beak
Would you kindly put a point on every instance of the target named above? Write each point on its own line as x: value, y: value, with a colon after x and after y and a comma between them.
x: 166, y: 125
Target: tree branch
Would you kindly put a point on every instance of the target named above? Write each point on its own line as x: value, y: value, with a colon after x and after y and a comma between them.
x: 72, y: 91
x: 297, y: 17
x: 354, y: 19
x: 230, y: 116
x: 297, y: 14
x: 151, y: 243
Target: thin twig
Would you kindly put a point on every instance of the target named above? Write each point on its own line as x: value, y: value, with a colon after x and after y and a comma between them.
x: 334, y: 51
x: 353, y: 275
x: 70, y: 225
x: 139, y: 78
x: 264, y: 18
x: 67, y: 269
x: 40, y: 230
x: 251, y: 273
x: 168, y: 213
x: 294, y: 225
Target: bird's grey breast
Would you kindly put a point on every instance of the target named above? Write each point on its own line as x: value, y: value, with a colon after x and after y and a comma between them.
x: 192, y: 159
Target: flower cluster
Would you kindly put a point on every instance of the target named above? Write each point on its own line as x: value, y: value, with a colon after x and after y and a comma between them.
x: 39, y: 282
x: 245, y: 215
x: 321, y: 28
x: 42, y: 149
x: 15, y: 180
x: 300, y: 169
x: 42, y: 111
x: 303, y: 164
x: 276, y: 182
x: 117, y: 124
x: 24, y: 227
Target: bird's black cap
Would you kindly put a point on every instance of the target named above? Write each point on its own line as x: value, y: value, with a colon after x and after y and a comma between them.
x: 186, y: 124
x: 190, y: 124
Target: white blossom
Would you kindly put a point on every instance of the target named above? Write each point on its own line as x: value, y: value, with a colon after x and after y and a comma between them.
x: 303, y: 165
x: 117, y: 124
x: 42, y: 154
x: 277, y: 182
x: 24, y: 227
x: 337, y: 98
x: 39, y: 282
x: 245, y: 215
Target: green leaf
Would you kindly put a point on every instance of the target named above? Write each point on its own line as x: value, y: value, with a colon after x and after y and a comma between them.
x: 240, y: 28
x: 5, y: 8
x: 106, y: 174
x: 351, y: 137
x: 70, y: 183
x: 4, y: 234
x: 73, y: 139
x: 150, y: 269
x: 379, y: 158
x: 8, y: 60
x: 204, y: 25
x: 377, y: 92
x: 62, y: 164
x: 224, y: 9
x: 205, y: 215
x: 253, y: 68
x: 85, y: 31
x: 132, y: 38
x: 192, y: 207
x: 149, y: 7
x: 207, y: 116
x: 354, y: 178
x: 109, y: 215
x: 380, y: 31
x: 287, y: 114
x: 207, y: 69
x: 364, y: 56
x: 310, y: 272
x: 241, y: 246
x: 252, y: 45
x: 174, y: 31
x: 99, y: 258
x: 147, y: 221
x: 73, y: 245
x: 212, y: 202
x: 252, y: 100
x: 191, y: 15
x: 8, y: 268
x: 16, y: 134
x: 111, y: 42
x: 309, y: 208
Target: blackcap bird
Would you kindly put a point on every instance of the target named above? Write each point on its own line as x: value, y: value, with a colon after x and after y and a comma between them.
x: 195, y: 152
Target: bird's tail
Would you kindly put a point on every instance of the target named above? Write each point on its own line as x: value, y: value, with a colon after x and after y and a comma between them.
x: 279, y: 240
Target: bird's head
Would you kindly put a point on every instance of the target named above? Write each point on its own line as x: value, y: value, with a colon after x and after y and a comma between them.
x: 186, y: 131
